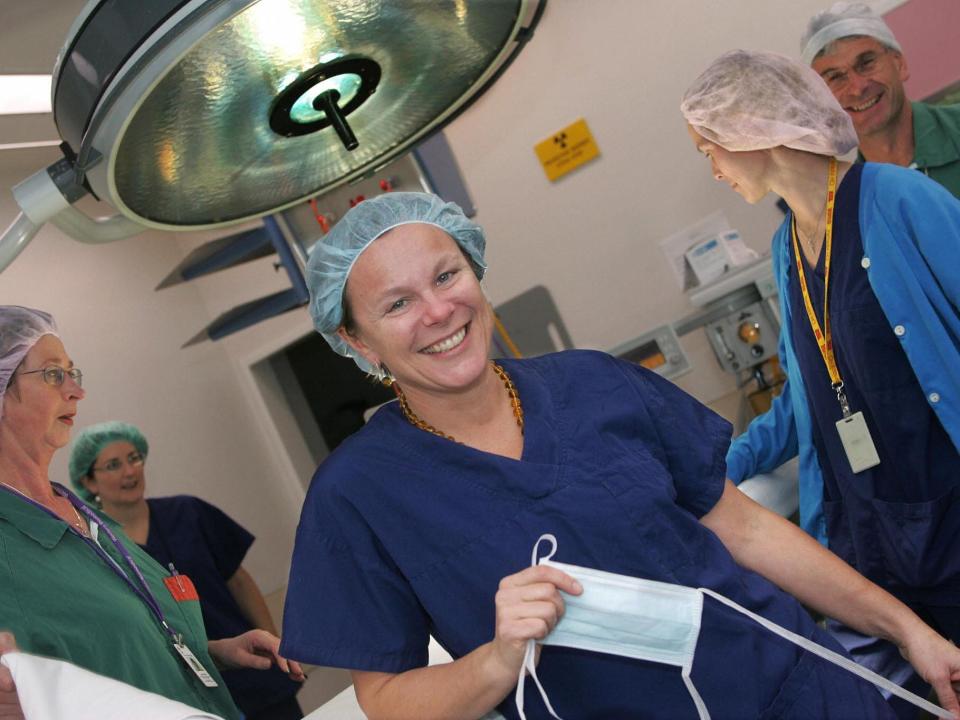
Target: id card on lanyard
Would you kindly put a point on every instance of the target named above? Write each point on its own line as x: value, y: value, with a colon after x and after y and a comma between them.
x: 139, y: 587
x: 852, y: 427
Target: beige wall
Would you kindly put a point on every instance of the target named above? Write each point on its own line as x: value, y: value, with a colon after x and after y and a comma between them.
x: 590, y: 238
x: 203, y: 435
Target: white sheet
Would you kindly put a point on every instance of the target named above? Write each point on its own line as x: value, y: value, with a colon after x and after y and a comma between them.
x: 777, y: 491
x: 52, y: 689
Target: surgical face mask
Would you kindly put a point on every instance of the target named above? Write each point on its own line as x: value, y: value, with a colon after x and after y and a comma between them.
x: 654, y: 621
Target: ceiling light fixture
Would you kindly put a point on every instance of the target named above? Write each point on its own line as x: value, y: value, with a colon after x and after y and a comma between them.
x: 25, y: 94
x: 190, y: 114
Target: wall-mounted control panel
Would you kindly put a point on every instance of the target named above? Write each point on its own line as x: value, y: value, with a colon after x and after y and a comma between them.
x: 658, y: 350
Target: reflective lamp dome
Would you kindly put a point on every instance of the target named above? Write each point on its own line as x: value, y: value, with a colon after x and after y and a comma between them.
x: 195, y: 114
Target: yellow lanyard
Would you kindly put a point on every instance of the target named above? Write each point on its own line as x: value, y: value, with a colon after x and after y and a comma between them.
x: 823, y: 336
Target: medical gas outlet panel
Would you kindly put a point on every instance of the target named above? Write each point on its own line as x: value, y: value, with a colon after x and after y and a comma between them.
x: 738, y: 312
x: 744, y: 338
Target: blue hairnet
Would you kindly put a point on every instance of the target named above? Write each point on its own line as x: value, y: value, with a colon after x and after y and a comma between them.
x: 20, y: 329
x: 90, y: 441
x: 332, y: 258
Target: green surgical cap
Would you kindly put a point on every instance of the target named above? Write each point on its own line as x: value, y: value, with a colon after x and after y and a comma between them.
x: 332, y: 258
x: 90, y: 441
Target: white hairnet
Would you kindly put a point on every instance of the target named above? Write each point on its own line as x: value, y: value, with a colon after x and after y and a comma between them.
x: 749, y: 100
x: 844, y: 19
x: 332, y: 258
x: 20, y: 329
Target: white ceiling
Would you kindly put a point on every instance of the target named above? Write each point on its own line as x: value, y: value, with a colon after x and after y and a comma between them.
x: 33, y: 33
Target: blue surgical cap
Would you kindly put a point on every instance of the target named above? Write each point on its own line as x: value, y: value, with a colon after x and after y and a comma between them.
x: 333, y: 257
x: 90, y: 441
x: 20, y: 329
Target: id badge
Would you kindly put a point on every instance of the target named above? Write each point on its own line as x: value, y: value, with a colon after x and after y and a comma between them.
x: 857, y: 443
x: 198, y: 669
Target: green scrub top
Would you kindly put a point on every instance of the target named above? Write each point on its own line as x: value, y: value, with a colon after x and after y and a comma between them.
x: 61, y: 600
x: 936, y: 144
x: 936, y: 135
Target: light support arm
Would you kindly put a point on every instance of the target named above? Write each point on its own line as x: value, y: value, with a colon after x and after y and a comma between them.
x: 15, y: 239
x: 47, y: 196
x: 95, y: 230
x: 39, y: 199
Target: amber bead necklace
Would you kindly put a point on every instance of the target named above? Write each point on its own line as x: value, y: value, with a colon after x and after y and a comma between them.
x: 417, y: 422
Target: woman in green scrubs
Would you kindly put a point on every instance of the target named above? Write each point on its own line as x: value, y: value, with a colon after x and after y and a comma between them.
x: 74, y: 586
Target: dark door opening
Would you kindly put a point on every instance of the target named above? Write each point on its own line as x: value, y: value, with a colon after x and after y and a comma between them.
x: 335, y: 389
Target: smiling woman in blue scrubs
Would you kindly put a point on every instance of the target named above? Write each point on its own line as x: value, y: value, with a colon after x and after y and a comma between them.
x: 873, y: 275
x: 422, y: 522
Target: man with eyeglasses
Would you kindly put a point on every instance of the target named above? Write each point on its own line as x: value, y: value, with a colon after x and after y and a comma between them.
x: 858, y: 57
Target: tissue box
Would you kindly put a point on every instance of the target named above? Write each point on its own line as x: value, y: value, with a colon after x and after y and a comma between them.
x: 711, y: 258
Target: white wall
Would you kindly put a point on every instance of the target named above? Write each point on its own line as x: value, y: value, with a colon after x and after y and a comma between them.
x: 204, y: 439
x: 590, y: 238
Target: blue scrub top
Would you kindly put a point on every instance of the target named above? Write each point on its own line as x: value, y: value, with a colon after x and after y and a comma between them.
x: 208, y: 546
x: 891, y: 522
x: 406, y: 534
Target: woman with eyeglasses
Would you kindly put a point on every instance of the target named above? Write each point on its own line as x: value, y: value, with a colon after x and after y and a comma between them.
x: 72, y: 585
x: 866, y: 265
x: 196, y: 539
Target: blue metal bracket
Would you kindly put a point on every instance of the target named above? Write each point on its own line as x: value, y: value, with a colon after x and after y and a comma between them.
x: 287, y: 258
x: 235, y: 252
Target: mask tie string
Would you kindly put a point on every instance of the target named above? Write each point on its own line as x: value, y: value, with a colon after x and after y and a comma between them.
x: 835, y: 658
x: 687, y: 667
x: 529, y: 666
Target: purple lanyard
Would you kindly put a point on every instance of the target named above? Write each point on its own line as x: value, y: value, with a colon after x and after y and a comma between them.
x: 140, y: 588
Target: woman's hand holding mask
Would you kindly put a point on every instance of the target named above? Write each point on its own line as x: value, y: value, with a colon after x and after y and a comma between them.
x: 529, y: 605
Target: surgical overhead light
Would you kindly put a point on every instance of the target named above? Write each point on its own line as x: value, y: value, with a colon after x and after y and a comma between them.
x: 189, y: 114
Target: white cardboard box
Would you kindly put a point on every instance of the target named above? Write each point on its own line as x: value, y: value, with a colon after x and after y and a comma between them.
x: 711, y: 258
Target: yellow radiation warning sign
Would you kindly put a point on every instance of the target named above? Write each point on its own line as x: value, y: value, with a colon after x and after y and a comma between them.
x: 566, y: 149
